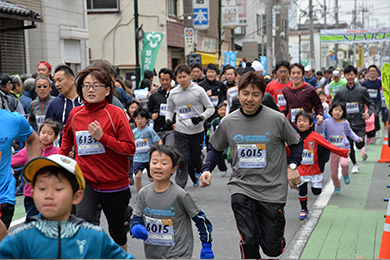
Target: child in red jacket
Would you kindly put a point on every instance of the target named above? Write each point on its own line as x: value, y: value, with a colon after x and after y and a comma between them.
x: 309, y: 170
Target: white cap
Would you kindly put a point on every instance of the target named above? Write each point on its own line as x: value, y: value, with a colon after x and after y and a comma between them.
x: 308, y: 68
x: 257, y: 65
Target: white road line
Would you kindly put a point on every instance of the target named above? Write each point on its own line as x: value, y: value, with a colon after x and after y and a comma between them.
x: 17, y: 222
x: 298, y: 242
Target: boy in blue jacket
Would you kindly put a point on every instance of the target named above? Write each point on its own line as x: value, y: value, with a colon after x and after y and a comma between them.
x: 58, y: 184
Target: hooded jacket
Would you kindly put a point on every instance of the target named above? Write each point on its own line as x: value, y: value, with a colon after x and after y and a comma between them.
x: 107, y: 170
x: 60, y: 107
x: 38, y: 107
x: 73, y: 238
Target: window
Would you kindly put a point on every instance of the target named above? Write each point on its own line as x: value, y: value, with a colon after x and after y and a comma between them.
x: 172, y: 8
x: 240, y: 31
x: 258, y: 24
x: 102, y: 5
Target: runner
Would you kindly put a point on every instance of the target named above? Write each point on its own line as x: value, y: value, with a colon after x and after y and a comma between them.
x: 301, y: 96
x: 275, y: 87
x: 187, y: 101
x: 355, y: 97
x: 258, y: 184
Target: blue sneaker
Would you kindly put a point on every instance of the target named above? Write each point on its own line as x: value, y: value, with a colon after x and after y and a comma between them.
x: 337, y: 190
x: 303, y: 214
x: 347, y: 180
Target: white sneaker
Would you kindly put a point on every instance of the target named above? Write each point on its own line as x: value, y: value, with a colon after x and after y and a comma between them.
x: 355, y: 169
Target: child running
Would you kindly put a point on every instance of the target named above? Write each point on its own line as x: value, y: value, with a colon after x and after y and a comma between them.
x: 48, y: 133
x: 131, y: 107
x: 58, y: 184
x: 164, y: 210
x: 338, y: 129
x: 144, y: 138
x: 221, y: 110
x: 309, y: 170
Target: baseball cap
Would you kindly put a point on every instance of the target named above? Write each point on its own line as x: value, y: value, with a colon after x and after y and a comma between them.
x: 56, y: 160
x: 336, y: 73
x: 308, y: 68
x: 4, y: 79
x: 257, y: 65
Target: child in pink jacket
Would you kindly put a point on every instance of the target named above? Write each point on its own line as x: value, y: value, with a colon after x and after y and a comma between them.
x: 48, y: 133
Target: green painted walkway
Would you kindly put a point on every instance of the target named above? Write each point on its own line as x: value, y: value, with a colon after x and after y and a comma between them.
x: 351, y: 225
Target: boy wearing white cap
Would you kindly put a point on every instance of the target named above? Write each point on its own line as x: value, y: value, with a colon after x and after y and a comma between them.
x: 58, y: 184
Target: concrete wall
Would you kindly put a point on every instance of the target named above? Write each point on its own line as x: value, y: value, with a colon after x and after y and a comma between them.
x: 64, y: 22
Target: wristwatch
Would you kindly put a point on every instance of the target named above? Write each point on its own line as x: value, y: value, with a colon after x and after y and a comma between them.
x: 292, y: 166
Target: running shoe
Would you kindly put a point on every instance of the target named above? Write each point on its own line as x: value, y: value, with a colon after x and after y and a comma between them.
x: 337, y: 190
x: 303, y: 214
x: 347, y: 180
x: 355, y: 169
x: 364, y: 157
x: 196, y: 184
x: 223, y: 174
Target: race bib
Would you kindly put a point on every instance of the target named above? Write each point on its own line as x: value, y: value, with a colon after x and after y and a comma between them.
x: 133, y: 126
x: 372, y: 92
x: 87, y: 145
x: 252, y: 155
x: 39, y: 119
x: 186, y: 112
x: 337, y: 140
x: 294, y: 112
x: 160, y: 232
x: 281, y: 100
x: 163, y: 109
x: 232, y: 93
x: 307, y: 157
x: 142, y: 145
x: 352, y: 107
x: 214, y: 100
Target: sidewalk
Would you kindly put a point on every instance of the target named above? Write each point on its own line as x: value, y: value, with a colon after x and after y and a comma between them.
x: 351, y: 224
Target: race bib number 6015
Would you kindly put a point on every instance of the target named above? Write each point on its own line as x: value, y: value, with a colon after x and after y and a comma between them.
x: 252, y: 155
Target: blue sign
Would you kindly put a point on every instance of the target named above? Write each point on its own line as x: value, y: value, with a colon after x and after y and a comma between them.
x: 201, y: 16
x: 230, y: 58
x: 332, y: 57
x: 263, y: 61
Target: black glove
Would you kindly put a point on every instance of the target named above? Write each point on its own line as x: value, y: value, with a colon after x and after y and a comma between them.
x: 169, y: 123
x: 196, y: 120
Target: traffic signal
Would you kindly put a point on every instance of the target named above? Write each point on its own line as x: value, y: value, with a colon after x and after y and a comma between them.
x: 194, y: 58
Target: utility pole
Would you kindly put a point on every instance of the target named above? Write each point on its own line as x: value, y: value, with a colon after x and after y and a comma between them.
x: 353, y: 44
x: 137, y: 67
x: 312, y: 54
x: 336, y: 46
x: 324, y: 14
x: 268, y: 32
x: 219, y: 32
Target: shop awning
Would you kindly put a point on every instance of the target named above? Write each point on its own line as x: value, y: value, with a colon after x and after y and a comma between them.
x: 213, y: 58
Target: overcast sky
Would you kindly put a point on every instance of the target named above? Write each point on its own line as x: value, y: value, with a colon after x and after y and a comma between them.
x: 376, y: 12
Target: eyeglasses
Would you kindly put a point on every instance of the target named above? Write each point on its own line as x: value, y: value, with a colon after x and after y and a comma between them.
x: 42, y: 86
x: 93, y: 86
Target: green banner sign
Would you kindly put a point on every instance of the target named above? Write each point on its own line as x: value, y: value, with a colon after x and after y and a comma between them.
x: 355, y: 35
x: 151, y: 45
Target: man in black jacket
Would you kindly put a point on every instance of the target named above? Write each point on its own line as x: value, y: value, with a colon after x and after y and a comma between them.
x: 158, y: 107
x: 355, y: 97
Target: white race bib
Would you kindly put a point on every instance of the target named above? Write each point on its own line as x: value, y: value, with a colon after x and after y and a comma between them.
x: 307, y: 157
x: 142, y: 145
x: 281, y: 100
x: 39, y: 119
x: 160, y: 232
x: 163, y: 109
x: 214, y: 100
x: 352, y: 107
x: 87, y: 145
x: 186, y: 112
x: 372, y: 92
x: 337, y: 140
x: 252, y: 155
x: 294, y: 112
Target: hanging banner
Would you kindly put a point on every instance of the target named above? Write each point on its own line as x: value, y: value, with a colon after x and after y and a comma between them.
x: 355, y: 35
x: 230, y: 58
x: 386, y: 83
x: 151, y: 45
